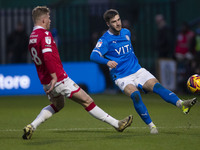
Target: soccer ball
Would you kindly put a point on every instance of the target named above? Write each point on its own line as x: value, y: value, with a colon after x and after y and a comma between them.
x: 193, y: 84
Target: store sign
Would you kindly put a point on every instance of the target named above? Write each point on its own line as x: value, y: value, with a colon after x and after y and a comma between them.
x: 15, y: 82
x: 22, y: 79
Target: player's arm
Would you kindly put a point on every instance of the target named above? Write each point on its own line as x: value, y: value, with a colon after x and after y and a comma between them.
x: 52, y: 83
x: 97, y: 56
x: 51, y: 67
x: 49, y: 61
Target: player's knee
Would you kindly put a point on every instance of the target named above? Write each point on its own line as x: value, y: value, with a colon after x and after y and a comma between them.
x: 60, y: 106
x: 157, y: 85
x: 59, y: 102
x: 88, y: 100
x: 135, y: 96
x: 158, y: 88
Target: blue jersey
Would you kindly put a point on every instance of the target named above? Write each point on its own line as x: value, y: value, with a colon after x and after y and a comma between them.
x: 117, y: 48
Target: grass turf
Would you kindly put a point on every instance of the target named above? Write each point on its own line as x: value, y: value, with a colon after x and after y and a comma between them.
x: 72, y: 128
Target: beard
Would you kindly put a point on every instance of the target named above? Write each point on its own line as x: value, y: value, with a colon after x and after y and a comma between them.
x: 116, y: 30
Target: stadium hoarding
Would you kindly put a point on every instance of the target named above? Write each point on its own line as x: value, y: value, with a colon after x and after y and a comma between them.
x: 167, y: 73
x: 22, y: 79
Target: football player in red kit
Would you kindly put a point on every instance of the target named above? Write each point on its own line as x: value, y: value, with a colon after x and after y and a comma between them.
x: 54, y: 79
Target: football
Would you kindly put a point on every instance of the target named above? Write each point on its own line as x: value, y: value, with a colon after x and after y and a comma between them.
x: 193, y: 84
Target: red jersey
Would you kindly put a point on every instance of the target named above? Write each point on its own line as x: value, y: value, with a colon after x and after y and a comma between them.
x: 45, y: 55
x: 183, y: 42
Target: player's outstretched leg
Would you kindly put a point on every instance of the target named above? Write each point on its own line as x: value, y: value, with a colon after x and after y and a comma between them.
x: 187, y: 105
x: 143, y: 112
x: 28, y: 131
x: 124, y: 123
x: 172, y: 98
x: 45, y: 114
x: 165, y: 94
x: 98, y: 113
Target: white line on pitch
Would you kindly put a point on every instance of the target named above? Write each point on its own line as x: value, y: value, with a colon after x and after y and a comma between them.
x: 93, y: 129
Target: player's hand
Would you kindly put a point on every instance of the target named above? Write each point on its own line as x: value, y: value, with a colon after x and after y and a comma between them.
x: 51, y: 85
x: 112, y: 64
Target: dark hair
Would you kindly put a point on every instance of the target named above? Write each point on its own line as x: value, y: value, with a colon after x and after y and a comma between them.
x: 110, y: 14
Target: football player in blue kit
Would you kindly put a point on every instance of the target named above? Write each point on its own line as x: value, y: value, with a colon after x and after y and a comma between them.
x: 115, y: 50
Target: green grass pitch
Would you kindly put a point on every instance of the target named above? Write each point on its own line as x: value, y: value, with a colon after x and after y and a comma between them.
x: 74, y: 129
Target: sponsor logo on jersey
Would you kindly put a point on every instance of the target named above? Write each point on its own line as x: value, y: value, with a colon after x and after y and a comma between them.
x: 32, y: 41
x: 99, y: 44
x: 123, y: 50
x: 33, y: 35
x: 48, y: 39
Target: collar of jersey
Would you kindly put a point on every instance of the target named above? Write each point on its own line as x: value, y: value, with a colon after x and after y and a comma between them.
x: 37, y: 27
x: 112, y: 33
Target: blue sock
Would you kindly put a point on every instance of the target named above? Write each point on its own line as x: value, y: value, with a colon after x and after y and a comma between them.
x: 165, y: 94
x: 140, y: 107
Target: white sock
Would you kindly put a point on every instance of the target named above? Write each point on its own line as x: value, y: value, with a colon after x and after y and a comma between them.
x: 151, y: 125
x: 103, y: 116
x: 179, y: 103
x: 45, y: 114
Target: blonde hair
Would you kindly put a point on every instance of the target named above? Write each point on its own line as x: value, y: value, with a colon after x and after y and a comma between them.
x: 38, y: 11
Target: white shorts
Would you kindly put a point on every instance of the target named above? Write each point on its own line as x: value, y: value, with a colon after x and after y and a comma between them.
x: 66, y: 87
x: 137, y: 79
